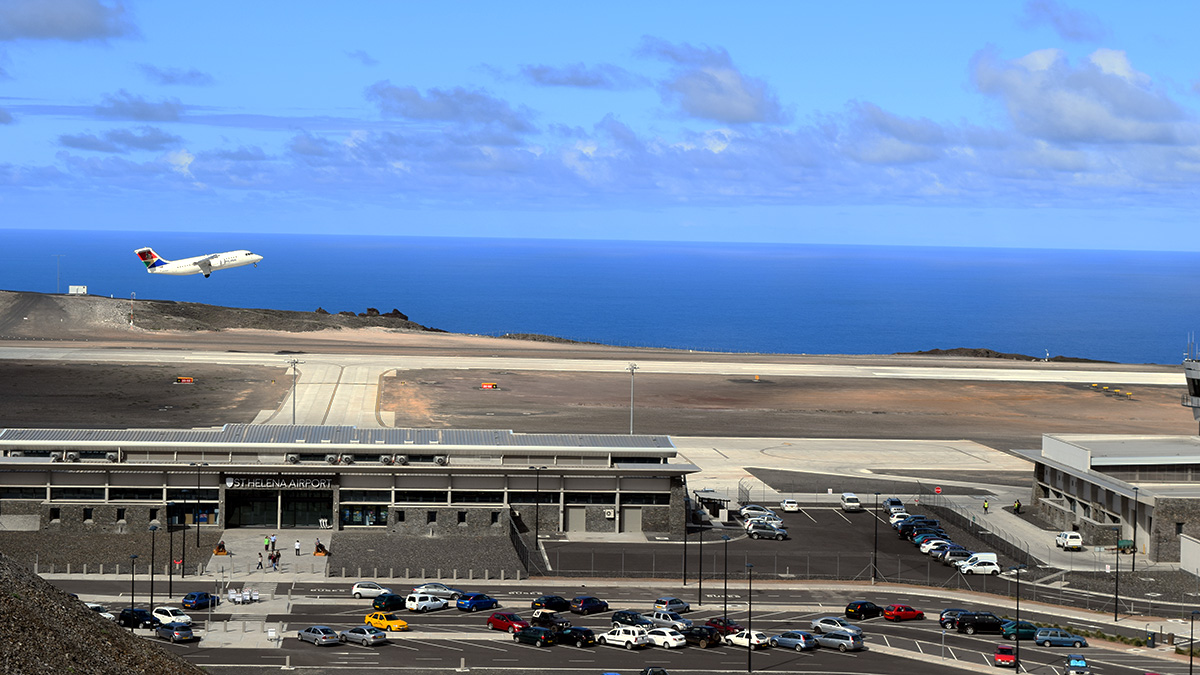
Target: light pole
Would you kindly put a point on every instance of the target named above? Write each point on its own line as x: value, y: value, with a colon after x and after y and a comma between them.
x: 171, y: 554
x: 1117, y: 579
x: 875, y: 547
x: 132, y: 594
x: 1191, y: 637
x: 749, y: 616
x: 153, y: 530
x: 1133, y: 560
x: 58, y: 273
x: 294, y: 363
x: 632, y: 371
x: 725, y: 612
x: 1017, y: 629
x: 700, y: 569
x: 537, y: 506
x: 196, y: 510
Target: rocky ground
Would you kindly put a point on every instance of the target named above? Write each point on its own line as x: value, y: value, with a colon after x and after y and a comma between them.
x: 37, y: 618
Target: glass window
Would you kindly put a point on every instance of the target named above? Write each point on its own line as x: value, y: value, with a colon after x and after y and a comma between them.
x: 364, y: 516
x: 645, y: 498
x: 431, y: 516
x: 55, y: 514
x: 365, y: 496
x: 22, y: 493
x: 438, y: 496
x: 77, y: 493
x: 546, y: 497
x: 495, y: 517
x: 189, y: 494
x: 476, y: 497
x: 87, y: 513
x: 462, y: 516
x: 121, y: 514
x: 591, y: 498
x: 125, y: 494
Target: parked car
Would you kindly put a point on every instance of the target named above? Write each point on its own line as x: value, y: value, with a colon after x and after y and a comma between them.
x: 979, y: 622
x: 586, y: 604
x: 200, y: 600
x: 795, y: 639
x: 669, y: 619
x: 437, y: 590
x: 892, y: 505
x: 386, y: 621
x: 577, y: 635
x: 99, y: 609
x: 171, y: 615
x: 386, y: 602
x: 980, y: 567
x: 420, y: 602
x: 368, y: 589
x: 628, y: 617
x: 534, y: 635
x: 473, y: 602
x: 748, y: 638
x: 955, y: 556
x: 318, y: 635
x: 723, y: 625
x: 863, y: 609
x: 137, y: 618
x: 902, y: 613
x: 752, y: 510
x: 175, y: 632
x: 841, y: 640
x: 702, y: 636
x: 1069, y: 541
x: 773, y: 521
x: 921, y: 536
x: 672, y: 605
x: 789, y: 505
x: 928, y: 544
x: 765, y: 531
x: 506, y: 621
x: 363, y: 635
x: 666, y: 637
x: 911, y: 519
x: 850, y: 502
x: 1057, y: 637
x: 554, y: 602
x: 827, y: 624
x: 1011, y: 631
x: 548, y: 618
x: 906, y: 527
x: 1076, y: 665
x: 939, y: 552
x: 629, y: 637
x: 949, y: 617
x: 1005, y: 656
x: 897, y: 517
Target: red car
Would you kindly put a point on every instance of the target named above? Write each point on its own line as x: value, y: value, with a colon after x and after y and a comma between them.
x: 723, y: 625
x: 902, y: 613
x: 506, y: 621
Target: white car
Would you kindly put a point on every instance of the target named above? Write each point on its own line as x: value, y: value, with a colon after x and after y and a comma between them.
x: 99, y: 609
x: 743, y: 638
x: 628, y: 637
x: 171, y: 615
x: 897, y: 517
x: 834, y: 623
x: 1069, y: 541
x: 981, y: 567
x: 773, y: 521
x: 439, y: 590
x: 422, y: 602
x: 368, y: 589
x: 754, y: 511
x: 666, y: 637
x: 928, y: 544
x: 789, y: 505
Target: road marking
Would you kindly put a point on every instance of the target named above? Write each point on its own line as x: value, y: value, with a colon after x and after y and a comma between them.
x: 806, y: 514
x: 841, y: 514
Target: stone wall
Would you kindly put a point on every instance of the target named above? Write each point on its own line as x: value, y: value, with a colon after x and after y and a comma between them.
x: 656, y: 518
x: 477, y: 521
x: 1164, y: 543
x: 595, y: 519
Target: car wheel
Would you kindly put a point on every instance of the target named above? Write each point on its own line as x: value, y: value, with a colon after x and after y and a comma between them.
x: 601, y: 640
x: 512, y: 629
x: 424, y: 608
x: 358, y: 596
x: 799, y: 647
x: 779, y: 537
x: 995, y: 572
x: 728, y: 641
x: 454, y: 596
x: 616, y: 625
x: 172, y: 638
x: 541, y: 643
x: 754, y: 535
x: 474, y: 608
x: 970, y: 630
x: 842, y: 648
x: 579, y: 643
x: 703, y: 644
x: 1011, y: 637
x: 342, y: 639
x: 516, y: 639
x: 628, y: 645
x: 773, y: 643
x: 1077, y: 644
x: 1046, y: 643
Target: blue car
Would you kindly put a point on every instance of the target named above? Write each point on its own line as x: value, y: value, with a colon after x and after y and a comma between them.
x: 1057, y: 637
x: 795, y: 639
x: 200, y: 601
x: 473, y: 602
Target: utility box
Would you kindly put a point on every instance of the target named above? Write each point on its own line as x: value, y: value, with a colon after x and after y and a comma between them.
x: 76, y: 290
x: 489, y: 385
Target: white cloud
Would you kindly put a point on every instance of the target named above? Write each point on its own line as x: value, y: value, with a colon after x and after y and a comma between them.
x: 123, y: 105
x: 70, y: 20
x: 706, y: 85
x: 181, y: 162
x: 1071, y: 24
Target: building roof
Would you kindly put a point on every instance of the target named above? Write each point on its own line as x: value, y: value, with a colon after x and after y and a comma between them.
x: 1133, y: 450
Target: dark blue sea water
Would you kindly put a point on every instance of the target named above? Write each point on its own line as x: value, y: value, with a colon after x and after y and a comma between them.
x: 1135, y: 307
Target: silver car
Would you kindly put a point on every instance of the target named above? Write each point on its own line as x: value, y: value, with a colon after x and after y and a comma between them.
x: 669, y: 619
x: 319, y: 635
x: 833, y: 624
x: 672, y: 605
x: 368, y: 589
x: 841, y: 641
x: 764, y: 531
x: 438, y: 591
x: 363, y: 635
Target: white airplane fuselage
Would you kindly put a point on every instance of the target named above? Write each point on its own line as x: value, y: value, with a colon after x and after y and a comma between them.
x: 201, y: 264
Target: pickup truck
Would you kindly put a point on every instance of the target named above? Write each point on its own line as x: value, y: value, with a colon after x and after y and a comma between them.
x: 1005, y: 656
x: 1069, y: 541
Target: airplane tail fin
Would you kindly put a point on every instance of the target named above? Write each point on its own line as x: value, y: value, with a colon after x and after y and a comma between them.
x: 150, y: 258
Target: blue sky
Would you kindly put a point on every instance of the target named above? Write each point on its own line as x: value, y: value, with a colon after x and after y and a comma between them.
x: 1043, y: 124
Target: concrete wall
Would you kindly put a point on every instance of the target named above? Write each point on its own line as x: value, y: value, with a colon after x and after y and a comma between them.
x: 596, y: 521
x: 478, y: 521
x: 1189, y: 554
x: 1164, y: 544
x: 104, y: 517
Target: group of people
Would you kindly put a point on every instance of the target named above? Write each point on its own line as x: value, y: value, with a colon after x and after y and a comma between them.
x: 272, y: 554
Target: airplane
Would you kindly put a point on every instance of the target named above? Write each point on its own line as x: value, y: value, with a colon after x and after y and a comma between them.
x: 201, y: 264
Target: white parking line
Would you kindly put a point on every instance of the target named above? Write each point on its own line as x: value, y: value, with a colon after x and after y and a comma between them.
x: 808, y: 516
x: 838, y: 511
x: 439, y: 645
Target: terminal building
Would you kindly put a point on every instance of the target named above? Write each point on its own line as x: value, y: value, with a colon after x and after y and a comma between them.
x: 416, y: 481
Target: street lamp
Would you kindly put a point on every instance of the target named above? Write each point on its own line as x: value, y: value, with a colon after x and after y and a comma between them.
x: 1133, y: 559
x: 171, y: 552
x: 153, y: 530
x: 700, y: 568
x: 294, y: 363
x: 537, y: 506
x: 632, y: 370
x: 1191, y: 637
x: 875, y: 547
x: 725, y: 612
x: 749, y: 616
x: 1016, y: 570
x: 132, y: 594
x: 196, y: 509
x: 1117, y: 578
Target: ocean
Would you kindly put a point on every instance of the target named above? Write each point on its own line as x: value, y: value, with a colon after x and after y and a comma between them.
x: 1124, y: 306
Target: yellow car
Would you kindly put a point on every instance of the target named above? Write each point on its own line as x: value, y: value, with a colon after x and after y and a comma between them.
x: 386, y: 621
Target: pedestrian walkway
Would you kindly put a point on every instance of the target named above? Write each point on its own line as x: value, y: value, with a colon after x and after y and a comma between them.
x: 244, y: 545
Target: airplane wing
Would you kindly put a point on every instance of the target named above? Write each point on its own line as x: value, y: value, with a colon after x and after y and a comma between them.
x: 205, y: 264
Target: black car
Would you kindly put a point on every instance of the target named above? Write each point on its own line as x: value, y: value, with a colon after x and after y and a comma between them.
x: 909, y: 520
x: 554, y: 602
x: 979, y: 622
x: 702, y: 636
x: 949, y: 617
x: 137, y: 618
x: 534, y: 635
x: 586, y: 604
x: 387, y: 602
x: 906, y: 528
x: 863, y: 609
x: 628, y: 617
x: 547, y: 618
x: 576, y: 635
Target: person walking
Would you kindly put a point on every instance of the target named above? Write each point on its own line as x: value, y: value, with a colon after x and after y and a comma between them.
x: 985, y: 507
x: 259, y: 562
x: 1017, y: 506
x: 297, y: 547
x: 272, y: 542
x: 266, y: 543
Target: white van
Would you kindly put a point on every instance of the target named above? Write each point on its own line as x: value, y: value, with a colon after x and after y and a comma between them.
x: 420, y: 602
x: 1069, y: 541
x: 978, y: 558
x: 850, y: 502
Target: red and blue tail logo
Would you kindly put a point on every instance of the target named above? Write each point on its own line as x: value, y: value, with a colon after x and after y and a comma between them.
x: 150, y: 258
